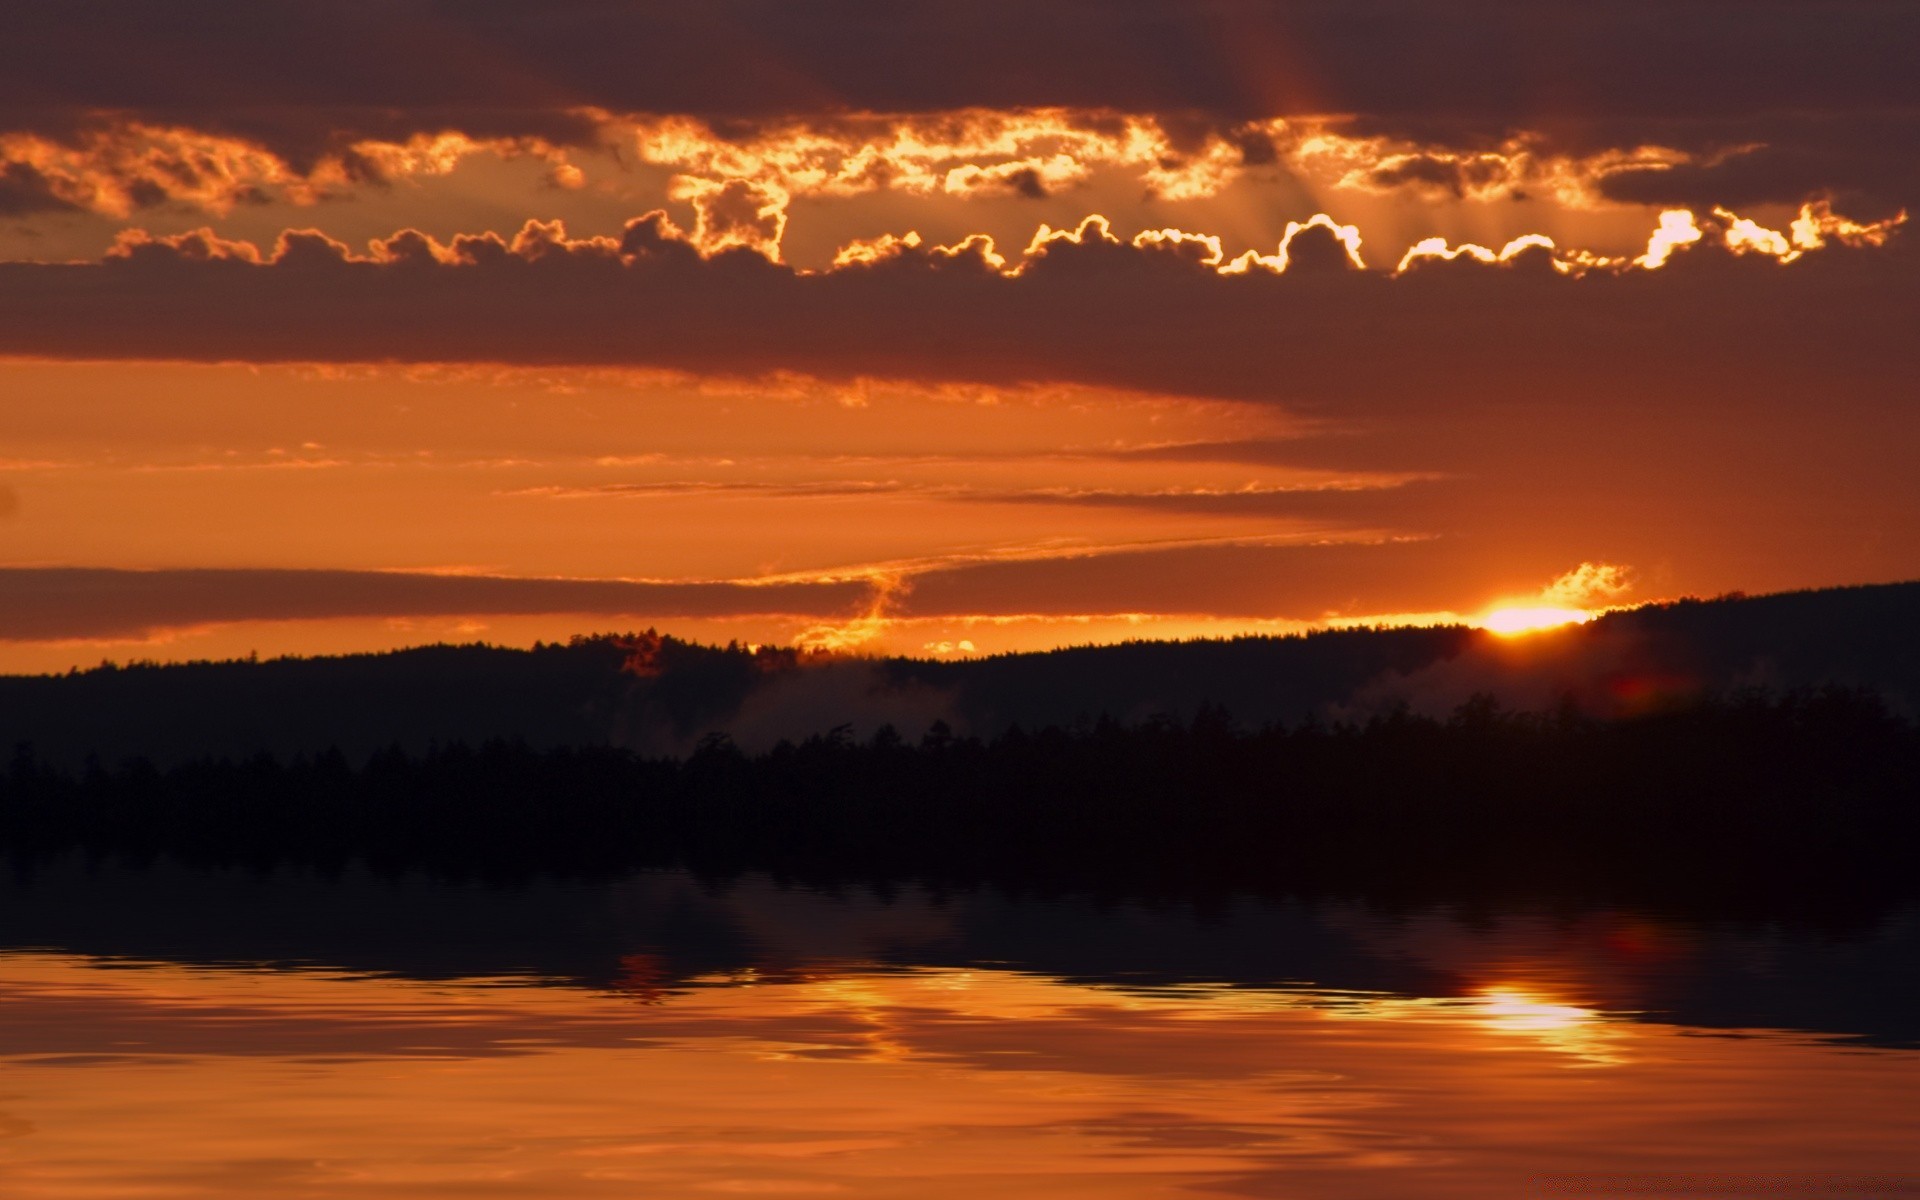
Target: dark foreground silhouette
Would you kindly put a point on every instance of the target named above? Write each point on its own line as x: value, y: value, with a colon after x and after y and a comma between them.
x: 1809, y: 798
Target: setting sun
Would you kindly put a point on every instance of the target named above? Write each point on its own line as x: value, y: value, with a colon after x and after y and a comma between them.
x: 1512, y: 622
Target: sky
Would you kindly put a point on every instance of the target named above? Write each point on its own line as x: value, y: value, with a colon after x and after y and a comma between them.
x: 940, y: 328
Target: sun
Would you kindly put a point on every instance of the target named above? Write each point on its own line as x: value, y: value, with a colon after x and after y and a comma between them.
x: 1513, y: 622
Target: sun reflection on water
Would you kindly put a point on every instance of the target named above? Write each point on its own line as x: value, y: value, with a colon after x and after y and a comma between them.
x: 1585, y: 1036
x: 1582, y: 1033
x: 880, y: 1081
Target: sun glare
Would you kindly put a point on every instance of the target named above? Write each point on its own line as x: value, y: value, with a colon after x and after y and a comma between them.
x: 1516, y: 1009
x: 1568, y: 1028
x: 1512, y: 622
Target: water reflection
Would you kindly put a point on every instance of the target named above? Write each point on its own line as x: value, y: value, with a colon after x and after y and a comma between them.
x: 650, y: 936
x: 177, y: 1034
x: 862, y: 1080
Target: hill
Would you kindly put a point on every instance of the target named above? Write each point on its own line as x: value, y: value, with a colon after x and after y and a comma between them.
x: 659, y: 695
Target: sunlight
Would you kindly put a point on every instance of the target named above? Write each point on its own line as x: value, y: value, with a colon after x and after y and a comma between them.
x: 1585, y: 1035
x: 1513, y: 622
x: 1580, y: 1032
x: 1677, y: 229
x: 1516, y: 1009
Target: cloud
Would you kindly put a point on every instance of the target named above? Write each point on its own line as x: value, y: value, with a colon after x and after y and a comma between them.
x: 1589, y: 584
x: 1534, y: 248
x: 864, y: 629
x: 25, y: 188
x: 1035, y: 152
x: 1086, y: 307
x: 1667, y: 101
x: 737, y: 214
x: 1303, y: 494
x: 1046, y: 151
x: 116, y: 167
x: 76, y: 603
x: 1779, y: 158
x: 834, y: 608
x: 1308, y: 580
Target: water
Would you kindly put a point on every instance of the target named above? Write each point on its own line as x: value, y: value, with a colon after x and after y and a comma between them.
x: 174, y: 1034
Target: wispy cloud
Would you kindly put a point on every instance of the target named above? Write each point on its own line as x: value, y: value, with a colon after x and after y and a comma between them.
x: 66, y: 603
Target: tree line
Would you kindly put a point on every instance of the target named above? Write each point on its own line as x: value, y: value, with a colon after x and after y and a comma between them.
x: 1811, y: 794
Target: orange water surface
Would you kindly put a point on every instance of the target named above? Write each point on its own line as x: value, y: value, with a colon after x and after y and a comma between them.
x: 155, y: 1080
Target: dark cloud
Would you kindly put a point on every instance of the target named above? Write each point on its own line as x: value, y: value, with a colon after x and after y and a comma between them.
x: 1867, y: 163
x: 1231, y: 580
x: 54, y: 603
x: 1435, y: 174
x: 25, y: 189
x: 1882, y: 183
x: 738, y: 213
x: 1347, y: 504
x: 1409, y: 448
x: 1709, y: 328
x: 39, y: 604
x: 1027, y: 184
x: 1315, y: 249
x: 1266, y: 452
x: 1356, y: 501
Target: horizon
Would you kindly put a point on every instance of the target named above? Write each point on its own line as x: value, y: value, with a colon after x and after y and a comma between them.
x: 1486, y: 623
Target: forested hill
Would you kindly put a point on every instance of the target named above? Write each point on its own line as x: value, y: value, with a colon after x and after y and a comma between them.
x: 661, y: 696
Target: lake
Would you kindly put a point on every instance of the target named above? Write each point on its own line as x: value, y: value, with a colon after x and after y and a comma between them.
x: 172, y: 1033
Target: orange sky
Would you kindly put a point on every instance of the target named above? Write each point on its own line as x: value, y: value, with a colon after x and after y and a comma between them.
x: 1011, y: 429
